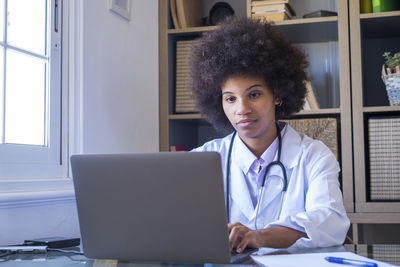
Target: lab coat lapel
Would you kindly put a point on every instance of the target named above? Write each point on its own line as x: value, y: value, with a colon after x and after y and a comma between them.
x: 241, y: 158
x: 240, y: 194
x: 272, y: 188
x: 290, y: 155
x: 291, y: 149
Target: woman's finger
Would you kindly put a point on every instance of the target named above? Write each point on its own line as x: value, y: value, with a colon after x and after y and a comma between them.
x: 242, y: 245
x: 235, y: 236
x: 231, y: 225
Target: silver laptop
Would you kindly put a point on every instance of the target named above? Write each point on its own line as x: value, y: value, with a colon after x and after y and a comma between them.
x: 163, y: 207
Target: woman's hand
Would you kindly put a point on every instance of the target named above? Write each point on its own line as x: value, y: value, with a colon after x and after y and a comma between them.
x: 241, y: 236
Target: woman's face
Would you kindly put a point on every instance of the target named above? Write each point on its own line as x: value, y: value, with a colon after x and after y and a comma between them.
x: 250, y: 106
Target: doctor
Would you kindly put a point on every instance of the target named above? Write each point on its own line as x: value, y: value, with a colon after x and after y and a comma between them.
x: 281, y: 186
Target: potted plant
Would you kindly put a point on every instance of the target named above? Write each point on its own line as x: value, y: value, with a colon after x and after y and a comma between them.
x: 392, y: 62
x: 391, y: 77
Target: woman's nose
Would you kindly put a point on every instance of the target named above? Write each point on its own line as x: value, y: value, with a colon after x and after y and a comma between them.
x: 243, y: 107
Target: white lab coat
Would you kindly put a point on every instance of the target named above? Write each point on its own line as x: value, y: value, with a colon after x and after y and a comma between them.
x: 313, y: 203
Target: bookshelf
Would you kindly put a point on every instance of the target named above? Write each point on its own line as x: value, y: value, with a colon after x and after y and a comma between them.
x: 325, y: 39
x: 352, y: 93
x: 371, y: 35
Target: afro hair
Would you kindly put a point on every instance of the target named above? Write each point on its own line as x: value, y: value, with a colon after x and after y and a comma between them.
x: 243, y: 46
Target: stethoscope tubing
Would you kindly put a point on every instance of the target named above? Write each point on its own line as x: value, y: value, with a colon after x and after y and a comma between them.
x: 261, y: 192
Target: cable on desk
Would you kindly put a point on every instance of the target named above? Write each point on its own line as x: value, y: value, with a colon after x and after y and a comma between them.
x: 65, y: 251
x: 5, y: 253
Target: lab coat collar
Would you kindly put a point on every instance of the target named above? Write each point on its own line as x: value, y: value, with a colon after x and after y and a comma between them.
x: 290, y: 153
x: 291, y: 149
x: 244, y: 158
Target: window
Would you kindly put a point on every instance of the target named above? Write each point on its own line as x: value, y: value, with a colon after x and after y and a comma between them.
x: 32, y: 143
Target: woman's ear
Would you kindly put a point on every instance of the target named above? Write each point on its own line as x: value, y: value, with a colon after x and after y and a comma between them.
x: 278, y: 102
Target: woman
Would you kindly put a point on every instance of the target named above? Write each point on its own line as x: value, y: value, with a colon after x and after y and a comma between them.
x: 245, y: 77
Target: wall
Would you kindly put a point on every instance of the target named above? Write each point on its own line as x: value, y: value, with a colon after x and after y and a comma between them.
x: 114, y: 108
x: 120, y: 85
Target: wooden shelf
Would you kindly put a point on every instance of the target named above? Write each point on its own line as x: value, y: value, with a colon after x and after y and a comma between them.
x: 324, y: 111
x: 184, y: 116
x: 379, y: 15
x: 319, y: 111
x: 307, y: 21
x: 379, y: 207
x: 381, y: 109
x: 318, y: 29
x: 374, y: 217
x: 190, y: 30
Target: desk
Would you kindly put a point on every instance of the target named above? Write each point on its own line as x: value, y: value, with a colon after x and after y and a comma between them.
x: 386, y: 253
x: 380, y: 252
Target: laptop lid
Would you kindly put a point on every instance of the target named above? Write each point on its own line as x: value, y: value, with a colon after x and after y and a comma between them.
x: 166, y: 206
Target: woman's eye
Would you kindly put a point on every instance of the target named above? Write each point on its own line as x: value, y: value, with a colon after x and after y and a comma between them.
x: 230, y: 99
x: 254, y: 95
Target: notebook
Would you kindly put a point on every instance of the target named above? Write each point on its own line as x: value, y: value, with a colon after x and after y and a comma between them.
x: 159, y: 207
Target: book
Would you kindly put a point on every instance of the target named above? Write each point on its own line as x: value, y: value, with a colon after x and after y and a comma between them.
x: 272, y: 16
x: 268, y: 2
x: 189, y: 13
x: 319, y: 14
x: 273, y: 7
x: 268, y: 7
x: 385, y: 5
x: 365, y: 6
x: 172, y: 6
x: 177, y: 148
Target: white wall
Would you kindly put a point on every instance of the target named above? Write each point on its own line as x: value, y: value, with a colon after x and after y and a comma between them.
x: 120, y: 78
x: 114, y: 109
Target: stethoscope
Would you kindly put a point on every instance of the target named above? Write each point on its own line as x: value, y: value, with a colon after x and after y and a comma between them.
x: 260, y: 194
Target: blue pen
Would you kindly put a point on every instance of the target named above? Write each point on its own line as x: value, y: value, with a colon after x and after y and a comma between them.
x: 351, y: 262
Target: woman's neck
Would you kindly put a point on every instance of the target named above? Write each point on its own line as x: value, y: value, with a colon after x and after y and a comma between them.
x: 258, y: 145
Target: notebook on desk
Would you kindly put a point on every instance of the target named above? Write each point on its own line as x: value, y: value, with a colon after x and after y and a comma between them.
x: 166, y: 206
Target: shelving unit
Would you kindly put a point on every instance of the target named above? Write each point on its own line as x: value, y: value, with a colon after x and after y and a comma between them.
x: 371, y: 35
x: 350, y: 94
x: 330, y: 70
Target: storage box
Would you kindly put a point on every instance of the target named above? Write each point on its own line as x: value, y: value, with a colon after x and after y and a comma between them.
x: 384, y: 160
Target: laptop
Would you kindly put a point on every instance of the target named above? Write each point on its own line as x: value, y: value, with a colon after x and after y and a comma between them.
x: 158, y: 207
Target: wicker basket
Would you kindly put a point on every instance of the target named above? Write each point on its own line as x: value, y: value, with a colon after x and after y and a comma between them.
x: 392, y: 82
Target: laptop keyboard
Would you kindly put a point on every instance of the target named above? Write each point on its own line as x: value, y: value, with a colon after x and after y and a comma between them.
x: 241, y: 257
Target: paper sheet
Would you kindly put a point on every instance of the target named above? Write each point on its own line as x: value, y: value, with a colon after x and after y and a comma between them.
x: 310, y: 259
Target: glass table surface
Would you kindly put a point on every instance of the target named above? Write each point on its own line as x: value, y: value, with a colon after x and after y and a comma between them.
x: 381, y: 252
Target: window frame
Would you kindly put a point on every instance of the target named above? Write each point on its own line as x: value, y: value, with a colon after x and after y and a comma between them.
x: 21, y: 162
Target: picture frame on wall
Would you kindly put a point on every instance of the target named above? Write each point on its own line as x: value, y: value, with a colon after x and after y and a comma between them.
x: 121, y: 7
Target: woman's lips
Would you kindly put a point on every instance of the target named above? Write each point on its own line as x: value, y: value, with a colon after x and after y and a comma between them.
x: 245, y: 122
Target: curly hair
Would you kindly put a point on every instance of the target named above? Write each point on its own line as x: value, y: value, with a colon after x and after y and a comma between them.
x: 242, y: 46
